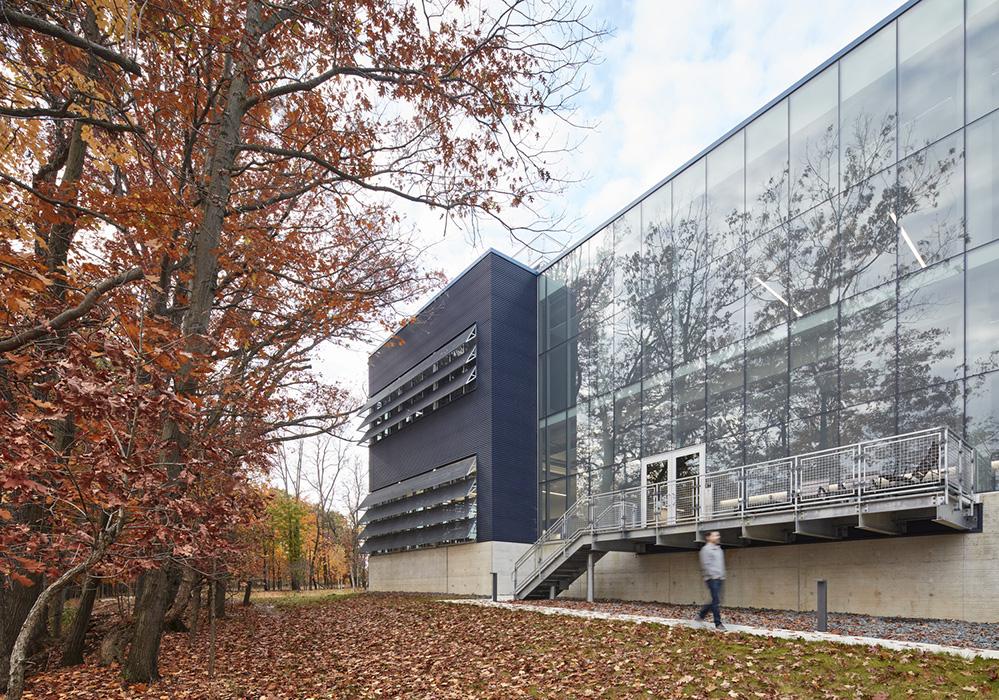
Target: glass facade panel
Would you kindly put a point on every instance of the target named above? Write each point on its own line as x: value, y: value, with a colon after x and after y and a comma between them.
x: 601, y: 274
x: 939, y: 405
x: 557, y: 372
x: 931, y: 204
x: 657, y: 415
x: 767, y: 170
x: 766, y: 281
x: 814, y: 385
x: 724, y: 453
x: 814, y: 260
x: 557, y: 447
x: 867, y: 421
x: 867, y: 346
x: 576, y: 268
x: 657, y: 242
x: 627, y: 346
x: 867, y: 108
x: 767, y: 444
x: 627, y: 232
x: 982, y: 413
x: 931, y: 73
x: 627, y: 424
x: 689, y: 220
x: 825, y: 275
x: 726, y: 300
x: 818, y: 432
x: 657, y: 334
x: 600, y: 432
x: 931, y: 326
x: 766, y: 379
x: 982, y: 334
x: 983, y: 57
x: 725, y: 391
x: 688, y: 404
x: 983, y: 180
x: 868, y: 233
x: 814, y: 141
x: 726, y: 195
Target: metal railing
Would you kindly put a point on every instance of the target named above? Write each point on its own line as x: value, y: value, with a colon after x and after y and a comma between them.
x: 934, y: 461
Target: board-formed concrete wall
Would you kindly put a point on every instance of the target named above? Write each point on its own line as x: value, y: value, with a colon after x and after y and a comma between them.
x: 954, y: 576
x: 461, y: 569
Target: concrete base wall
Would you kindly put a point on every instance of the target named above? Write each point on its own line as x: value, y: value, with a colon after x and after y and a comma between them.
x: 461, y: 569
x: 953, y: 576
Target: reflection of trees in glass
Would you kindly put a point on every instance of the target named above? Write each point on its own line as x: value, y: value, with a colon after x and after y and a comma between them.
x: 677, y: 301
x: 983, y: 412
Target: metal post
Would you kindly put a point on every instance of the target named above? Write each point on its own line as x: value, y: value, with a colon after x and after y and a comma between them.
x: 589, y: 577
x: 821, y: 605
x: 495, y: 587
x: 551, y: 592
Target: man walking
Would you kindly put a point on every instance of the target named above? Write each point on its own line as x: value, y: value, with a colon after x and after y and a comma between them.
x: 713, y: 570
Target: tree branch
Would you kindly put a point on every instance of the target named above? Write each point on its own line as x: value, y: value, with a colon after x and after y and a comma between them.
x: 89, y: 301
x: 18, y: 19
x: 45, y: 113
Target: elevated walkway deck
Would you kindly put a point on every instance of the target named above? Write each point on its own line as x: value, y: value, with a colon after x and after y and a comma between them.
x: 877, y: 486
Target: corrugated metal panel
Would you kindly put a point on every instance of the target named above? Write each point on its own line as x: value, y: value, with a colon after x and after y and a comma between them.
x: 510, y: 514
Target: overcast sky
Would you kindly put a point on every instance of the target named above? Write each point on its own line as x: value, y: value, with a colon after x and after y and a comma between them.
x: 674, y: 77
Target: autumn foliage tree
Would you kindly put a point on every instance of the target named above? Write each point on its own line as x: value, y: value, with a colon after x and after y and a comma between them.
x: 195, y: 197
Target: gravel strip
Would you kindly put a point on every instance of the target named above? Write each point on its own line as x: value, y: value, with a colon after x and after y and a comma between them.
x: 974, y: 635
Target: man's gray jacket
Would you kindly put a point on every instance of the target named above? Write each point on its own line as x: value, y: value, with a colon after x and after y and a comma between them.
x: 712, y: 561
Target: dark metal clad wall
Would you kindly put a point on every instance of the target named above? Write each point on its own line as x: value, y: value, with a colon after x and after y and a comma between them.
x: 458, y: 429
x: 514, y: 398
x: 500, y: 429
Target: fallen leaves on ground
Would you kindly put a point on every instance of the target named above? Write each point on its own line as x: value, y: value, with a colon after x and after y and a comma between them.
x: 393, y: 646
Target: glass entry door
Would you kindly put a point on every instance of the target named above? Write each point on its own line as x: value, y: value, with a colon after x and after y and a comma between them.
x: 679, y: 475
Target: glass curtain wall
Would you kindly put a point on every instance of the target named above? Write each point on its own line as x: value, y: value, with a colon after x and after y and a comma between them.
x: 824, y: 275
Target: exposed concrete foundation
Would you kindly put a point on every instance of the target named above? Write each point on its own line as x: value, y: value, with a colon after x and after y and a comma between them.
x: 461, y: 569
x: 953, y: 576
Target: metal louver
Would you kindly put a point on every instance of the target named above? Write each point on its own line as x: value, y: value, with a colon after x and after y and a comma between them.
x: 447, y: 373
x: 438, y: 507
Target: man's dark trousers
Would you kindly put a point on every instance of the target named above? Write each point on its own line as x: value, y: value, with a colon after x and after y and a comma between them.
x: 714, y: 585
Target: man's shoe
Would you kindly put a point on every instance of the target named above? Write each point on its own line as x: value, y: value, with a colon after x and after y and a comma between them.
x: 698, y: 620
x: 721, y: 628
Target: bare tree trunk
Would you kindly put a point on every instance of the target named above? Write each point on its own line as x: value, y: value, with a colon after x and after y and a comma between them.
x: 213, y: 589
x: 246, y: 593
x: 56, y: 608
x: 218, y: 599
x: 195, y: 611
x: 175, y: 616
x: 72, y: 653
x: 141, y: 664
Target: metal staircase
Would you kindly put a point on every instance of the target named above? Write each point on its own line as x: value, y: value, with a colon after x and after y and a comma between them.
x: 563, y: 551
x: 561, y: 573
